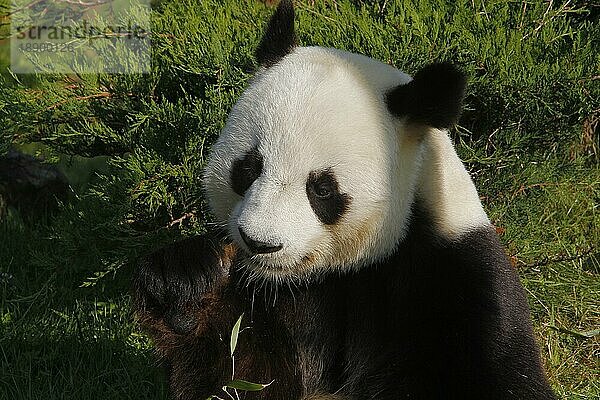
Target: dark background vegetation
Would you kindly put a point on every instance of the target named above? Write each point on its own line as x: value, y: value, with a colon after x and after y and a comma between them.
x: 133, y: 148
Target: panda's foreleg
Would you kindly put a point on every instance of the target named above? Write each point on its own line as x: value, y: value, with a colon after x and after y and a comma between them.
x: 181, y: 298
x: 184, y: 298
x: 176, y: 281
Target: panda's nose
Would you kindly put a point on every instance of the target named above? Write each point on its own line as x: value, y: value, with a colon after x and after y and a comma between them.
x: 257, y: 246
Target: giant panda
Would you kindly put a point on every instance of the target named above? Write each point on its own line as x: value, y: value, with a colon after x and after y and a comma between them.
x: 352, y: 240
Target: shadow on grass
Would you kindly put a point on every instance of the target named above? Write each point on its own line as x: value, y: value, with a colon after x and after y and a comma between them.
x: 59, y: 340
x: 37, y: 367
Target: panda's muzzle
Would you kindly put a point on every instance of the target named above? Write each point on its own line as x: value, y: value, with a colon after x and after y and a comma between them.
x: 258, y: 247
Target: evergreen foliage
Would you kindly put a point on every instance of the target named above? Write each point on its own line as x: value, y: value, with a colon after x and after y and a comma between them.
x: 529, y: 135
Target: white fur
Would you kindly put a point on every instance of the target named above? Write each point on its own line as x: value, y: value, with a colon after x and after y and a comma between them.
x: 324, y: 109
x: 447, y: 189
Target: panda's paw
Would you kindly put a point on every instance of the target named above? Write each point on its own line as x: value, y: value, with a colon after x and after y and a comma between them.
x: 171, y: 283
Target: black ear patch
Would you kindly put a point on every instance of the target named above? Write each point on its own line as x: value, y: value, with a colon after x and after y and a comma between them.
x: 434, y: 97
x: 279, y: 38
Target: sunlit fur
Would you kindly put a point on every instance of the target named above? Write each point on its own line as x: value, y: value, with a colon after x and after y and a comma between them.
x: 322, y: 109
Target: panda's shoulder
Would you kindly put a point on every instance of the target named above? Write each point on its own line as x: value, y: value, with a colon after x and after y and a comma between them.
x: 428, y: 265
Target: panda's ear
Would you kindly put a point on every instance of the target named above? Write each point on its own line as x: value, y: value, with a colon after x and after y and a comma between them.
x: 433, y: 98
x: 279, y: 39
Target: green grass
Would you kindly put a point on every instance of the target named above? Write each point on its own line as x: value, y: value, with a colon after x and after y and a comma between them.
x: 62, y: 341
x: 65, y: 327
x: 549, y: 218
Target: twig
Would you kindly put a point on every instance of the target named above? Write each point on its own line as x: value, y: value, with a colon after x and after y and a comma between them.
x: 101, y: 95
x: 317, y: 13
x: 524, y: 188
x: 87, y: 5
x: 180, y: 219
x: 30, y: 5
x: 92, y: 96
x: 557, y: 258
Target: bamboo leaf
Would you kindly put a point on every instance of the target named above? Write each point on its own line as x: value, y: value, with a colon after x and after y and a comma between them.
x: 235, y: 333
x: 240, y: 384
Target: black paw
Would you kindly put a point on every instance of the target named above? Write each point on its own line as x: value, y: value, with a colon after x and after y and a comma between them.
x: 169, y: 281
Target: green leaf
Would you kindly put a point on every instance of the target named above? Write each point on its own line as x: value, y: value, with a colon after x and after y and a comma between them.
x: 582, y: 335
x: 234, y: 334
x: 246, y: 386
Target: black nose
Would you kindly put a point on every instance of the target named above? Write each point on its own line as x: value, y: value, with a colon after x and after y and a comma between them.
x: 257, y: 246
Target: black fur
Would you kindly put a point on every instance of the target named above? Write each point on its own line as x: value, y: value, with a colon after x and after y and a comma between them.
x: 172, y: 277
x: 325, y: 198
x: 436, y: 320
x: 434, y: 97
x: 245, y: 171
x: 451, y: 322
x: 280, y: 38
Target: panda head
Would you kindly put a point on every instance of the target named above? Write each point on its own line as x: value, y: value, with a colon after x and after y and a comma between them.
x: 317, y: 167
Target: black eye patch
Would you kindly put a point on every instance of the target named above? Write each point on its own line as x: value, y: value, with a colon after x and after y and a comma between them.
x: 245, y: 171
x: 325, y: 198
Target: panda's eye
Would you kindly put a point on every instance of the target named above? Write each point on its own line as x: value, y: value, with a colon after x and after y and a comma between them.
x: 325, y: 199
x: 245, y: 171
x: 323, y: 190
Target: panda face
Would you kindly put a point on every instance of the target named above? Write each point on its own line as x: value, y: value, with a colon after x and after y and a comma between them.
x: 310, y: 173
